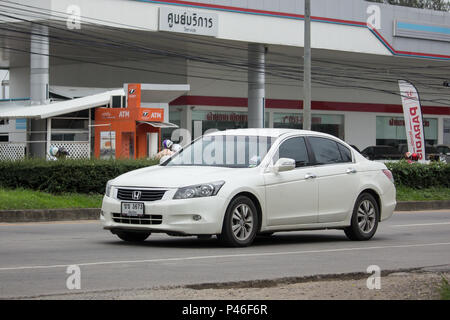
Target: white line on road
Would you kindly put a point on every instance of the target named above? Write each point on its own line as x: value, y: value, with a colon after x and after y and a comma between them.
x: 243, y: 255
x: 420, y: 224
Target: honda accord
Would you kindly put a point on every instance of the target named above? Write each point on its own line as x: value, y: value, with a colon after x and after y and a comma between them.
x: 238, y: 184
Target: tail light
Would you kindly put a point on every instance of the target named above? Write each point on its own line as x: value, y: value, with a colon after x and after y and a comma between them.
x: 388, y: 174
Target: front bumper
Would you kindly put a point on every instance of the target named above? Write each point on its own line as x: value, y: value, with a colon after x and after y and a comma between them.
x: 177, y: 216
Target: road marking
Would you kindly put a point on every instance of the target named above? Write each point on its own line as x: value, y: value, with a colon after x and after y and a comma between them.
x: 243, y: 255
x: 420, y: 224
x: 423, y: 211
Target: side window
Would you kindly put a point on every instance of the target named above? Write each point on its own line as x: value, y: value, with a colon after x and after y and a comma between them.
x: 294, y: 148
x: 346, y: 154
x: 325, y: 150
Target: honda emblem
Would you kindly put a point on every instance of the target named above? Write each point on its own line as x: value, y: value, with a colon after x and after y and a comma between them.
x: 137, y: 195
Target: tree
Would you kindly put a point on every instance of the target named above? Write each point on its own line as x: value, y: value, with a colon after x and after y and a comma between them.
x: 440, y: 5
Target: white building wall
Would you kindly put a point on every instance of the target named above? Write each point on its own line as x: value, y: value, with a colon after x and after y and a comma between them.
x: 232, y: 26
x: 19, y: 83
x: 360, y: 129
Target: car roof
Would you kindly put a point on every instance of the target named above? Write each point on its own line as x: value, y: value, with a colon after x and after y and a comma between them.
x: 268, y: 132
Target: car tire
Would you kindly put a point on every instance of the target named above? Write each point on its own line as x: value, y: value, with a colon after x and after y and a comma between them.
x: 241, y: 223
x: 365, y: 217
x: 133, y: 236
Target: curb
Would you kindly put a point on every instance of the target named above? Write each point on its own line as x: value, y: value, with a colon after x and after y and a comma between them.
x: 43, y: 215
x: 422, y: 205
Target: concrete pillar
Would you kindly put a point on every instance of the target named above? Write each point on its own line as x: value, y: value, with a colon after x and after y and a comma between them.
x: 39, y: 82
x: 256, y: 85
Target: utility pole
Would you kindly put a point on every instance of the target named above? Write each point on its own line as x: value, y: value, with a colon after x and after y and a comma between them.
x: 307, y: 68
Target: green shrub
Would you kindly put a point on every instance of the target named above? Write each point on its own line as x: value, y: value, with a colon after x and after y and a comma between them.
x: 65, y: 176
x: 90, y: 176
x: 419, y: 176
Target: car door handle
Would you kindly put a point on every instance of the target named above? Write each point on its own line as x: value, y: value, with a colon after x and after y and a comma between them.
x: 351, y: 170
x: 310, y: 176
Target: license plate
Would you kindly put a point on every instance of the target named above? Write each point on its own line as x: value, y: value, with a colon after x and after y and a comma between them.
x: 132, y: 209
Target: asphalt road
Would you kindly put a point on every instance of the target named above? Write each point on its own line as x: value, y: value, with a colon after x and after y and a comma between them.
x: 34, y: 257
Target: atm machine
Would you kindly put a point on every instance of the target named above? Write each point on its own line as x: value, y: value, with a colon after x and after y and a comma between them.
x: 131, y: 128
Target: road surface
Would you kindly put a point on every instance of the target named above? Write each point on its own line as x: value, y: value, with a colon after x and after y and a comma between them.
x: 34, y: 257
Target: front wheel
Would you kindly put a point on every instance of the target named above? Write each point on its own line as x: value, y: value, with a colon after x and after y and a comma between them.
x: 364, y: 222
x: 133, y: 236
x: 240, y: 224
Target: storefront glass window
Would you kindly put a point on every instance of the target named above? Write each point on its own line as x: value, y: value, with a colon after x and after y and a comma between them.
x: 447, y: 132
x: 220, y: 120
x: 175, y: 118
x: 327, y: 123
x: 391, y: 131
x: 68, y: 129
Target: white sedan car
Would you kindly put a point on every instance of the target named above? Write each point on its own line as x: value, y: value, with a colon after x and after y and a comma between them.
x: 238, y: 184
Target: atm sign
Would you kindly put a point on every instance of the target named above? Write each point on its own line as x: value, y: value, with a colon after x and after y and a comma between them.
x: 151, y: 114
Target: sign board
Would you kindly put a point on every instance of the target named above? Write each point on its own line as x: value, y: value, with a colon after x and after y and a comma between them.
x: 134, y: 95
x: 187, y: 21
x: 151, y: 114
x: 413, y: 119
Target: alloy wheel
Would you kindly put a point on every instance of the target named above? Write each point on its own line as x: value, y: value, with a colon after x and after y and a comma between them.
x: 366, y: 216
x: 242, y: 222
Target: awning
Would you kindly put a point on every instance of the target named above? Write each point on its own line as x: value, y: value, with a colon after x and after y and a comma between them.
x: 162, y: 93
x: 61, y: 107
x: 77, y: 92
x: 159, y: 124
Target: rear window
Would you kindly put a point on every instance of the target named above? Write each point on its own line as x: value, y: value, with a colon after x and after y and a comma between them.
x: 345, y: 153
x: 325, y: 150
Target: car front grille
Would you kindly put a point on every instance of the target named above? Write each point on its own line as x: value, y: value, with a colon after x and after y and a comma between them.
x: 144, y: 219
x: 145, y: 194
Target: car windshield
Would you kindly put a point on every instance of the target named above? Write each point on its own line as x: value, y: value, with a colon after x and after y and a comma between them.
x: 233, y: 151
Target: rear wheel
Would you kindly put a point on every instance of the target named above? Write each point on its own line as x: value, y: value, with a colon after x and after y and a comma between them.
x: 240, y: 223
x: 133, y: 236
x: 364, y: 222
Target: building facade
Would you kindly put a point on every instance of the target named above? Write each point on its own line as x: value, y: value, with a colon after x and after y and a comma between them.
x: 224, y: 50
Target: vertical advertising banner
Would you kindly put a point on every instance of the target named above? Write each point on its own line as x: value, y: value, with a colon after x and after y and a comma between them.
x: 413, y: 119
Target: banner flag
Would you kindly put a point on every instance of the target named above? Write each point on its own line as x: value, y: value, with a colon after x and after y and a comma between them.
x: 412, y: 112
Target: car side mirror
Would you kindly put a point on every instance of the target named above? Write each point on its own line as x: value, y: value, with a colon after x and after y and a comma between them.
x: 164, y: 159
x: 284, y: 164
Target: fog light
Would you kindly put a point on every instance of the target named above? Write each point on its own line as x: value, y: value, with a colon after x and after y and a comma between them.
x: 197, y: 217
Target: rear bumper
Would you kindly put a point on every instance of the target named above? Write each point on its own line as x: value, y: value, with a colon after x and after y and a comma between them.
x: 388, y: 203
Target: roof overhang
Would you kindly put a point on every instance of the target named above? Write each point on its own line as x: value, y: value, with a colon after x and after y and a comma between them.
x: 159, y: 124
x: 161, y: 93
x: 59, y: 108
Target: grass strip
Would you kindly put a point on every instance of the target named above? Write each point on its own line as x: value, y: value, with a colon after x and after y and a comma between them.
x: 29, y: 199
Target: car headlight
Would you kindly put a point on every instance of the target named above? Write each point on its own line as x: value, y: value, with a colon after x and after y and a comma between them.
x: 199, y: 190
x: 108, y: 190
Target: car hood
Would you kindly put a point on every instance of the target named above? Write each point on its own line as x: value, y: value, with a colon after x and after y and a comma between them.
x: 173, y: 177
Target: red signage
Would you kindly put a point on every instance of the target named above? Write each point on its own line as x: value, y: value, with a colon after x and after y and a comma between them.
x: 151, y: 114
x: 401, y: 123
x: 134, y: 95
